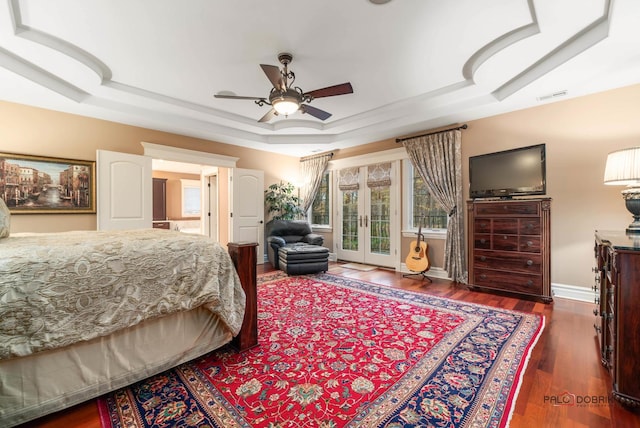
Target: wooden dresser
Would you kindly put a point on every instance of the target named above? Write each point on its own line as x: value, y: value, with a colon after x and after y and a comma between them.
x: 509, y: 246
x: 160, y: 204
x: 618, y: 311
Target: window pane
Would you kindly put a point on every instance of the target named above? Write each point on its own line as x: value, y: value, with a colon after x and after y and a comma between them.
x: 380, y: 218
x: 320, y: 207
x: 426, y: 211
x: 350, y: 220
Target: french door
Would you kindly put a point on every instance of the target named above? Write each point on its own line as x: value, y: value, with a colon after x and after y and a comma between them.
x: 367, y: 219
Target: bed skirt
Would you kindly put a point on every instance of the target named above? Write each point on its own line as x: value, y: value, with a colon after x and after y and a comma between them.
x: 48, y: 381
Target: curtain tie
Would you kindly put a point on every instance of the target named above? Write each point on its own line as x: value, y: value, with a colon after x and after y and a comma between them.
x: 453, y: 211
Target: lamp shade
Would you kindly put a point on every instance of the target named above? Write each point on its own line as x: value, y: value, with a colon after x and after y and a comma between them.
x: 623, y: 167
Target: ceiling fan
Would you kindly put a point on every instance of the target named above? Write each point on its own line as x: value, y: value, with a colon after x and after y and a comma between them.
x: 284, y: 98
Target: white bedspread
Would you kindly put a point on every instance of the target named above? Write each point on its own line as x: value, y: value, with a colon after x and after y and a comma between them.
x: 60, y: 288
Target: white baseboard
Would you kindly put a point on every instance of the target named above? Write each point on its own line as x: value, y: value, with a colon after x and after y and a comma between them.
x: 572, y: 292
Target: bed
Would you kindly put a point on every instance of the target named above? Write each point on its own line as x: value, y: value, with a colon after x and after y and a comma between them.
x: 84, y: 313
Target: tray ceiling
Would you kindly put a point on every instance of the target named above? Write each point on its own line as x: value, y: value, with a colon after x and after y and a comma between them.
x: 413, y: 64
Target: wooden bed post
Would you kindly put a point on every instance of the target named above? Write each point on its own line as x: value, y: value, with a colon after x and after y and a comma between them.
x: 244, y: 258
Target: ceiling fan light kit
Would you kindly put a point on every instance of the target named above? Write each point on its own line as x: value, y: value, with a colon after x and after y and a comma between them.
x: 284, y: 98
x: 287, y: 102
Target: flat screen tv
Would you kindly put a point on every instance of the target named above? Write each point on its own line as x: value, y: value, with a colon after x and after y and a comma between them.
x: 509, y: 173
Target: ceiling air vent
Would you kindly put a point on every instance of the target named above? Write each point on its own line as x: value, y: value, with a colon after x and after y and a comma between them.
x: 557, y: 94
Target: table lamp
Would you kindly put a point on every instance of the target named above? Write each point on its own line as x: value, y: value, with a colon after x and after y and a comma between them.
x: 623, y: 168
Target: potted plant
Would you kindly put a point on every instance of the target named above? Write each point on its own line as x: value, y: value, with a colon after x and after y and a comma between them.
x: 282, y: 203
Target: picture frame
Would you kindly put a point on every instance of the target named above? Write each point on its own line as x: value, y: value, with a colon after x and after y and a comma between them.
x: 47, y: 185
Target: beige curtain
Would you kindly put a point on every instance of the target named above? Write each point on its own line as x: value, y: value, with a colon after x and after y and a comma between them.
x: 311, y: 171
x: 438, y: 160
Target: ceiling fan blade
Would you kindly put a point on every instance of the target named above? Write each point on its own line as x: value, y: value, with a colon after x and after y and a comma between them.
x: 330, y: 91
x: 315, y: 112
x: 267, y: 117
x: 274, y: 75
x: 238, y: 97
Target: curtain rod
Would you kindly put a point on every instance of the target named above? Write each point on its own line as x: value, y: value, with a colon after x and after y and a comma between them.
x: 399, y: 140
x: 330, y: 154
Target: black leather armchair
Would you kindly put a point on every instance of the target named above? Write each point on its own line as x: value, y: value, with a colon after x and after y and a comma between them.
x: 282, y: 233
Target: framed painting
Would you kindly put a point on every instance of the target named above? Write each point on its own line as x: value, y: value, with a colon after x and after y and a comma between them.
x: 45, y: 185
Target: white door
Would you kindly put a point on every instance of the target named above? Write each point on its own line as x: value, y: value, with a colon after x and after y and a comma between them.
x: 367, y: 221
x: 247, y: 216
x: 124, y: 191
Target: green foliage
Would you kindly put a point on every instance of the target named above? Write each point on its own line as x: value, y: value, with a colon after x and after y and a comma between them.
x: 282, y: 202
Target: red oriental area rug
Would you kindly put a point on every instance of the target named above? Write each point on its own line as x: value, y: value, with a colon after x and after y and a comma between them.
x: 338, y: 352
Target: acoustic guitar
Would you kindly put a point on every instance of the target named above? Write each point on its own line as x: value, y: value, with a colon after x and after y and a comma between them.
x: 417, y: 260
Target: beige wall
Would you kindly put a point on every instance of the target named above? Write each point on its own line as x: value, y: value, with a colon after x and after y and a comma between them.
x: 35, y: 131
x: 578, y: 134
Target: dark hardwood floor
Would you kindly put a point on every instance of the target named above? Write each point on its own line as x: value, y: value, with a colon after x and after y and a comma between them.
x: 564, y: 361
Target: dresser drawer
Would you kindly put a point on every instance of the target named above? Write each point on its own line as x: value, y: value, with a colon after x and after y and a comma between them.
x: 482, y: 241
x: 508, y: 281
x: 508, y: 208
x: 529, y: 226
x: 508, y: 261
x: 482, y: 225
x: 506, y: 226
x: 161, y: 225
x: 505, y: 242
x: 529, y: 244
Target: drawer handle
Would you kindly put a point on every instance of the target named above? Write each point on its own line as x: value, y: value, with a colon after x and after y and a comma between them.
x: 483, y: 241
x: 483, y: 276
x: 530, y: 283
x: 529, y: 262
x: 530, y: 226
x: 483, y: 225
x: 483, y: 259
x: 505, y: 237
x: 529, y: 243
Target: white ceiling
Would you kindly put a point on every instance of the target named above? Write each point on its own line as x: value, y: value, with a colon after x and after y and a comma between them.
x: 413, y: 64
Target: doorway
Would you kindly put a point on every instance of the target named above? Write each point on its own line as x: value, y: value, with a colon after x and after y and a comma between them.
x: 367, y: 214
x: 219, y: 205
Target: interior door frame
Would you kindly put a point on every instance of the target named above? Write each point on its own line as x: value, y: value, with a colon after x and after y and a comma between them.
x: 211, y: 160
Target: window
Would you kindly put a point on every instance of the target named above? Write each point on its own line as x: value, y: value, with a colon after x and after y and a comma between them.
x: 190, y: 198
x: 321, y: 207
x: 420, y: 207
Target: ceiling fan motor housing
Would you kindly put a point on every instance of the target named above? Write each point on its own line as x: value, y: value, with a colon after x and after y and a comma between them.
x: 285, y: 58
